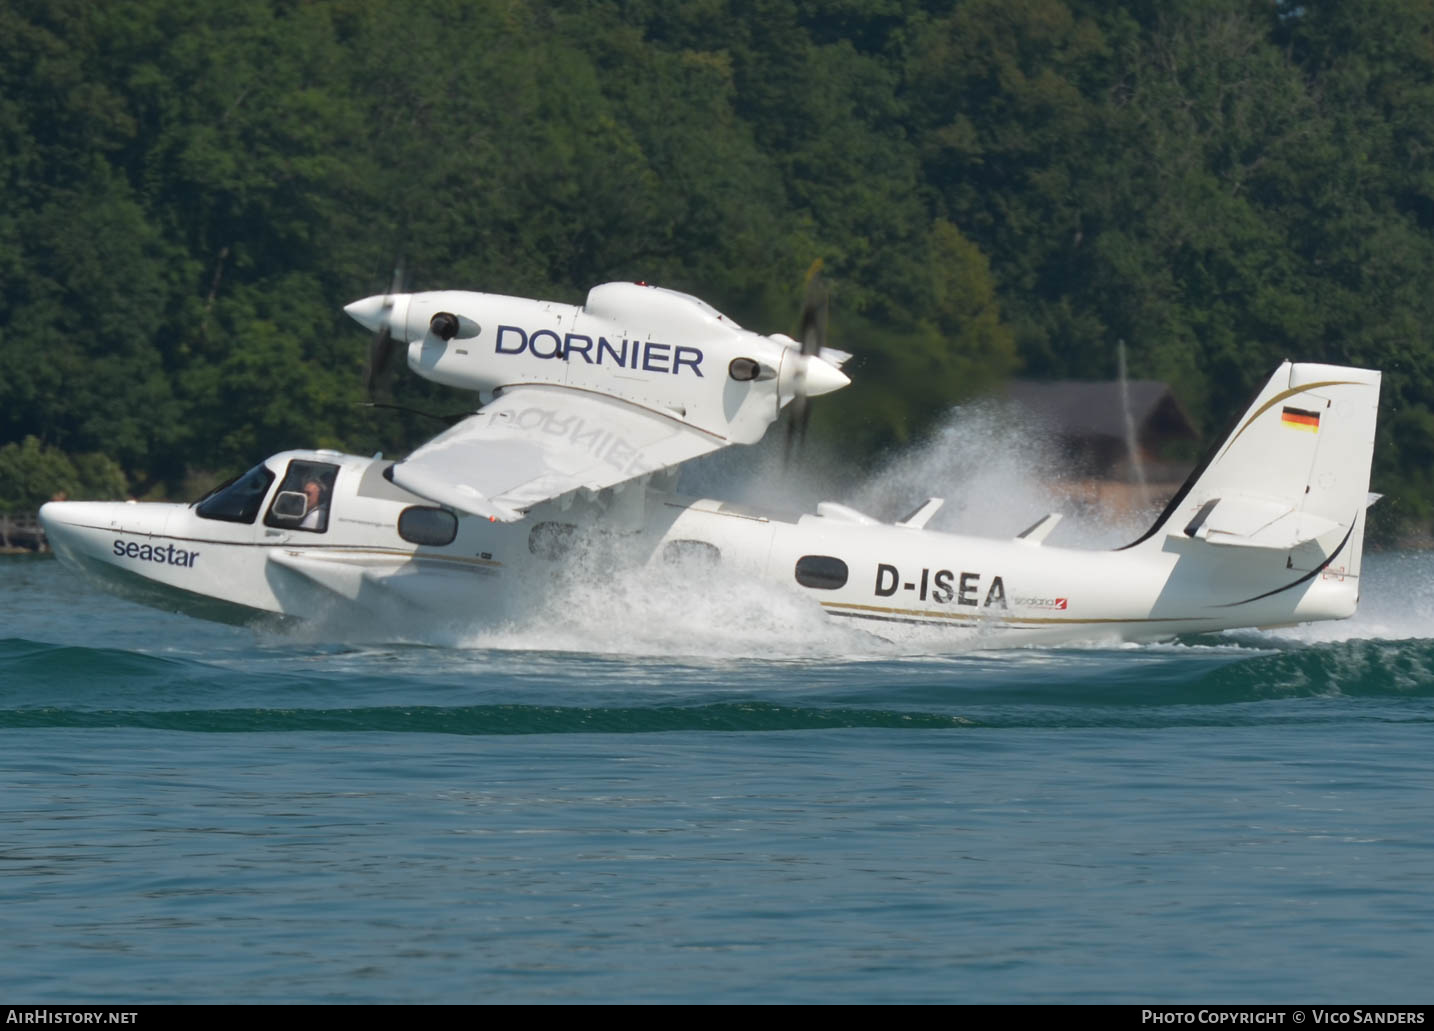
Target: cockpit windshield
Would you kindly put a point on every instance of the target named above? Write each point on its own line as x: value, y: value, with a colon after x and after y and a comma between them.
x: 239, y: 500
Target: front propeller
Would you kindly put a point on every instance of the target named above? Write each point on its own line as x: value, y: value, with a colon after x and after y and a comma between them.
x: 381, y: 317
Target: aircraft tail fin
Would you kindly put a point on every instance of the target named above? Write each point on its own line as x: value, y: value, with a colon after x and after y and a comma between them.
x: 1292, y: 475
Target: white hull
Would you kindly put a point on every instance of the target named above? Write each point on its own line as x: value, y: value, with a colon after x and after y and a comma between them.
x: 902, y: 584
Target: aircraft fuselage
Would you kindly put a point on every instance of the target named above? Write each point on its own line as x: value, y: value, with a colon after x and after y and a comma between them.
x: 382, y: 552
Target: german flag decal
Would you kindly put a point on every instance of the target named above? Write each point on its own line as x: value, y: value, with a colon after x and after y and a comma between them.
x: 1299, y: 419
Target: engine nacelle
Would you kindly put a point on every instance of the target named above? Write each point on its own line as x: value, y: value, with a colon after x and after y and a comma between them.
x: 658, y: 348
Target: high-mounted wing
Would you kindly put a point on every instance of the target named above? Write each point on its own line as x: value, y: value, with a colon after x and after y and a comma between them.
x: 536, y: 443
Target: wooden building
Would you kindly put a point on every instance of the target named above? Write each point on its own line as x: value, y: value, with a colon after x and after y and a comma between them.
x: 1116, y: 444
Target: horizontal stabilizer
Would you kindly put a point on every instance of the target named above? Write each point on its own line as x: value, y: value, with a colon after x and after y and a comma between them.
x: 1250, y: 522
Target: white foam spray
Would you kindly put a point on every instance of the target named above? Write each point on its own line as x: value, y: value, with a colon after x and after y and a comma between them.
x: 999, y: 474
x: 998, y: 471
x: 682, y: 609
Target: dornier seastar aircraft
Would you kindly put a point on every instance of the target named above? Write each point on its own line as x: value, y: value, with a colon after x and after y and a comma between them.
x: 571, y: 463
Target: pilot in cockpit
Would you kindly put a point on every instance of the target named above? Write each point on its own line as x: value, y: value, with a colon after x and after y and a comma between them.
x: 315, y: 515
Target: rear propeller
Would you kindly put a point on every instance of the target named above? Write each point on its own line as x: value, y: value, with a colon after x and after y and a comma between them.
x: 816, y: 306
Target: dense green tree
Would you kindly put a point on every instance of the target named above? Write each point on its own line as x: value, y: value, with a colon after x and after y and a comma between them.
x: 189, y: 193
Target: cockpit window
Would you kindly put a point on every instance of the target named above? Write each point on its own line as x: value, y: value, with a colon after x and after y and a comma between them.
x: 302, y: 502
x: 237, y: 501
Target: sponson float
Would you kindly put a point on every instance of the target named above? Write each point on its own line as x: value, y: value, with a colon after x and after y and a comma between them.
x: 570, y: 464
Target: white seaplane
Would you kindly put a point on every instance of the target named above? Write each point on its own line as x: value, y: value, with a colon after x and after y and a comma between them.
x: 572, y: 461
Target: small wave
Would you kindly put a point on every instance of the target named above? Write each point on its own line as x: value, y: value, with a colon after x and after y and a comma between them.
x: 436, y: 690
x: 1359, y: 668
x: 37, y: 663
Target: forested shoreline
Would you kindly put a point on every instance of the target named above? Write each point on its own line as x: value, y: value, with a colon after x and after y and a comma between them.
x: 192, y: 191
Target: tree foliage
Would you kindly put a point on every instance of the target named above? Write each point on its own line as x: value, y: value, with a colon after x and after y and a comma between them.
x: 191, y: 192
x: 32, y: 473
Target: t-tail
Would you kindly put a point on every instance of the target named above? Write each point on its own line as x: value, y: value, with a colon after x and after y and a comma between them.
x: 1277, y: 508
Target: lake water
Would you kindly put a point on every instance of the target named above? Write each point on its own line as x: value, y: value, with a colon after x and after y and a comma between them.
x: 709, y: 800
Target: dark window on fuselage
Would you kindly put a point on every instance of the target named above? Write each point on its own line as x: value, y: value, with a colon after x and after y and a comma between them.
x: 821, y: 571
x: 315, y: 482
x: 434, y: 527
x: 239, y: 500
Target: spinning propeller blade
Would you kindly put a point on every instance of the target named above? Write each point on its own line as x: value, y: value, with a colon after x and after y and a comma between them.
x: 380, y: 352
x: 815, y: 309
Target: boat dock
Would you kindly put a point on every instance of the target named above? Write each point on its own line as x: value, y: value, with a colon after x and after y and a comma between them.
x: 21, y: 534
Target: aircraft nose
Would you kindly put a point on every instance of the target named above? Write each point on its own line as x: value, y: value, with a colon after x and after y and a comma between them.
x: 62, y: 517
x: 53, y: 514
x: 62, y: 521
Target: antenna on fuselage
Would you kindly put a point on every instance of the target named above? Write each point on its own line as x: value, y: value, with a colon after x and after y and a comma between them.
x: 1132, y: 442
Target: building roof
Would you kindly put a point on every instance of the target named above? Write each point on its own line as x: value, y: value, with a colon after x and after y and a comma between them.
x: 1084, y: 408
